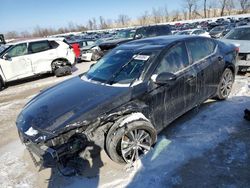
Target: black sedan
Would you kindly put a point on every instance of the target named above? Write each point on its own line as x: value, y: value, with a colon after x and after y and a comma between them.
x: 126, y: 98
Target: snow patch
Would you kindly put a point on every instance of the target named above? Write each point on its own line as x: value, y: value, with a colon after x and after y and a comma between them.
x: 133, y: 117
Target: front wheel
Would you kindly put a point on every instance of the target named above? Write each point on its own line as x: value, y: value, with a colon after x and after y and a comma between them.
x: 128, y: 143
x: 225, y: 85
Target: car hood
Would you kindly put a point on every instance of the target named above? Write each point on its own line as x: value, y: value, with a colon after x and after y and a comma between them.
x: 242, y: 44
x: 72, y: 101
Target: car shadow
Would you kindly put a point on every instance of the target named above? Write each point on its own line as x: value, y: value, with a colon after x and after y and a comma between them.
x: 83, y: 168
x: 206, y: 147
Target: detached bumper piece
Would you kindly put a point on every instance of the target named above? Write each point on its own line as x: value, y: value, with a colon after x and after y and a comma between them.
x: 42, y: 155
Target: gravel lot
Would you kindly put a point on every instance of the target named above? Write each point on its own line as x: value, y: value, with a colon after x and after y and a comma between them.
x: 208, y: 146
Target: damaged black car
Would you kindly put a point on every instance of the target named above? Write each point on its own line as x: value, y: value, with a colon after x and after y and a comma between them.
x: 126, y: 98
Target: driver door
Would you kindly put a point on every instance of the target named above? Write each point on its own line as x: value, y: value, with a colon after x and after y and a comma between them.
x: 15, y: 63
x: 168, y: 102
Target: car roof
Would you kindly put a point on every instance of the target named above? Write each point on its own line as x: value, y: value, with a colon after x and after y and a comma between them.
x: 244, y: 26
x: 36, y: 40
x: 154, y: 43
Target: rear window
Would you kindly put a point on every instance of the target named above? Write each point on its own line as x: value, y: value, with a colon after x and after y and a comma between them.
x: 35, y: 47
x: 239, y: 34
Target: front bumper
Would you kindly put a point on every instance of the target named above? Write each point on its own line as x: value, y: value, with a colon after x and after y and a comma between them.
x: 44, y: 156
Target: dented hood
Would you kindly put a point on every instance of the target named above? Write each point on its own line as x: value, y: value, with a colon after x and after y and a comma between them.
x: 72, y: 101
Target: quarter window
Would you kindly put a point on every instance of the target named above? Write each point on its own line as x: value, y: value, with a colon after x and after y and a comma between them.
x: 18, y: 50
x: 40, y: 46
x: 175, y: 60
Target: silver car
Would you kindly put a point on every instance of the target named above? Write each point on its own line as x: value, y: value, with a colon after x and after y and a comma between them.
x: 240, y: 36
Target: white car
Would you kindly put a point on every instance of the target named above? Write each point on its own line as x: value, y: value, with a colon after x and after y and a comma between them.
x: 199, y: 32
x: 28, y: 58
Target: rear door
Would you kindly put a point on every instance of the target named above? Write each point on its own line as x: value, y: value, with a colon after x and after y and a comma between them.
x: 203, y: 58
x: 42, y: 54
x: 169, y: 102
x: 18, y: 65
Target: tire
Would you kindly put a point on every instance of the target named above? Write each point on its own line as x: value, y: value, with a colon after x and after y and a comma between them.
x: 2, y: 85
x: 225, y: 85
x: 118, y: 138
x: 95, y: 56
x: 62, y: 71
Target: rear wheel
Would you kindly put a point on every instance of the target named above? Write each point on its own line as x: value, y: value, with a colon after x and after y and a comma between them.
x: 60, y: 68
x: 62, y: 71
x: 128, y: 143
x: 225, y: 85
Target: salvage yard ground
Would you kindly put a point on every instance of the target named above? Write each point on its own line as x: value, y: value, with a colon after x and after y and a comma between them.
x: 207, y: 147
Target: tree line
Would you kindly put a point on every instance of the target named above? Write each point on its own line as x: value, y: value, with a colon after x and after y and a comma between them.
x: 189, y: 9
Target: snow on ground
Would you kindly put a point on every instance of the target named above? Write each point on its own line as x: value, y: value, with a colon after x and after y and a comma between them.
x: 193, y: 151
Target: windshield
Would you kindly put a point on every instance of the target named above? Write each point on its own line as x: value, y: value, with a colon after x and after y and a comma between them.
x: 239, y: 34
x: 120, y: 66
x: 125, y: 34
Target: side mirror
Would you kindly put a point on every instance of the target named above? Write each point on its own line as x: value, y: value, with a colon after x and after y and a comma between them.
x: 138, y: 36
x: 6, y: 56
x: 164, y: 78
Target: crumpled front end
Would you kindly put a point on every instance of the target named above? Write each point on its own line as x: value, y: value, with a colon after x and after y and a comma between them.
x: 53, y: 151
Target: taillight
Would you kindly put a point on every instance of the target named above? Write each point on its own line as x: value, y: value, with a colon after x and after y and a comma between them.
x: 237, y: 49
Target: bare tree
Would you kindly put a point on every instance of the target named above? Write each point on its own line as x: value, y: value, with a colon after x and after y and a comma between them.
x: 190, y: 5
x: 222, y: 7
x: 11, y: 35
x: 103, y: 24
x: 176, y: 15
x: 157, y: 15
x: 230, y: 6
x: 123, y: 20
x: 205, y: 8
x: 245, y: 6
x: 90, y: 24
x: 143, y: 19
x: 166, y: 14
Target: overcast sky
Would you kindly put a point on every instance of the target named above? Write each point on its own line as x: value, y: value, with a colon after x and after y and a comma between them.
x: 21, y: 15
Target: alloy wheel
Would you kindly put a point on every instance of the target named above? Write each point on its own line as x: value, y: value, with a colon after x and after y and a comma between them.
x: 226, y: 84
x: 135, y: 143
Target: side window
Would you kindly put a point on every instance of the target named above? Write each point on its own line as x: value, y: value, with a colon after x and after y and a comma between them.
x: 18, y: 50
x: 200, y: 48
x: 210, y: 45
x: 35, y: 47
x: 53, y: 44
x: 175, y: 59
x: 90, y: 43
